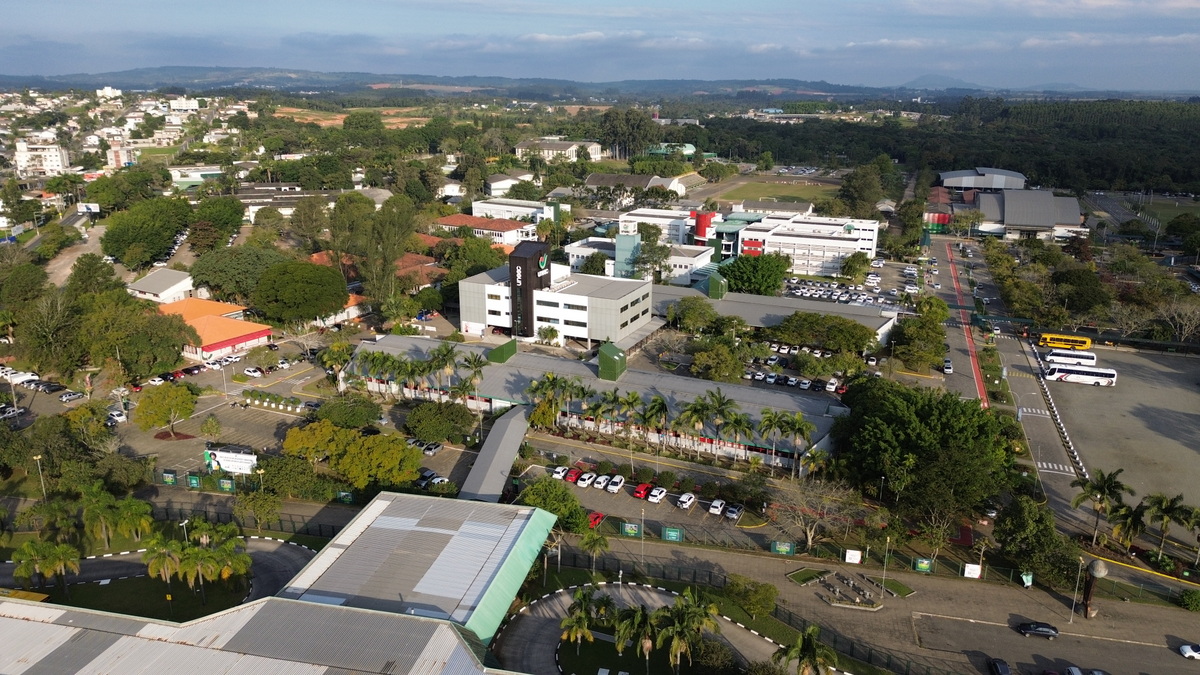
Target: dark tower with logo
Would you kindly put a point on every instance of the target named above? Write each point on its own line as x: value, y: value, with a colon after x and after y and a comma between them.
x: 528, y: 270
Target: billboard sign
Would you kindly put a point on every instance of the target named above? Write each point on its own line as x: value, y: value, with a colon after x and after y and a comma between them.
x: 923, y: 565
x: 88, y: 208
x: 783, y: 548
x: 853, y: 557
x: 672, y: 534
x: 231, y: 462
x: 631, y: 530
x: 972, y: 571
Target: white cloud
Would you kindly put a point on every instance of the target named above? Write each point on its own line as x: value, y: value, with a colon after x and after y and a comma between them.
x: 590, y: 36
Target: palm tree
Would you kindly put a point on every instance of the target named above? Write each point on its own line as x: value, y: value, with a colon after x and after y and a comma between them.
x: 593, y: 542
x: 196, y: 564
x: 738, y: 425
x: 474, y: 364
x: 585, y: 394
x: 232, y: 560
x: 162, y: 558
x: 1129, y: 522
x: 682, y: 624
x: 630, y: 404
x: 99, y: 510
x: 31, y: 561
x: 134, y: 516
x: 1166, y: 510
x: 461, y: 390
x: 55, y: 520
x: 605, y: 609
x: 581, y: 611
x: 442, y: 360
x: 1192, y: 523
x: 693, y: 417
x: 771, y: 425
x: 812, y: 656
x: 800, y: 429
x: 721, y: 408
x: 634, y: 625
x: 609, y: 406
x: 814, y: 461
x: 1103, y: 490
x: 61, y: 559
x: 655, y: 414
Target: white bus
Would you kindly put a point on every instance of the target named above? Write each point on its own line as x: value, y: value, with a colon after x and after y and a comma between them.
x: 1071, y: 357
x: 1100, y: 377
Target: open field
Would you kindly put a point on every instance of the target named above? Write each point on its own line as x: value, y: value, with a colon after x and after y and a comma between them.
x: 792, y: 190
x: 1166, y: 209
x: 393, y: 118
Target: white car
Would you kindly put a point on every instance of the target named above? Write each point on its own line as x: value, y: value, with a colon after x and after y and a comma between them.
x: 805, y: 383
x: 656, y: 495
x: 717, y: 507
x: 585, y: 480
x: 615, y: 485
x: 910, y: 289
x: 871, y: 360
x: 686, y: 501
x: 118, y: 416
x: 252, y: 372
x: 283, y: 364
x: 1190, y: 651
x: 212, y: 365
x: 601, y: 482
x: 155, y: 381
x: 560, y: 472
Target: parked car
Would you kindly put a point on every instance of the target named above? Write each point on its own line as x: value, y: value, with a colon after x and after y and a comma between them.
x: 1190, y: 651
x: 686, y: 501
x: 312, y: 405
x: 117, y: 416
x: 68, y: 396
x: 1038, y: 628
x: 585, y: 480
x: 573, y: 475
x: 805, y: 384
x: 594, y: 519
x: 10, y: 413
x: 948, y: 366
x: 717, y: 507
x: 272, y: 346
x: 560, y: 472
x: 432, y: 449
x: 642, y: 490
x: 283, y: 364
x: 193, y: 370
x: 155, y: 381
x: 999, y: 667
x: 734, y: 512
x: 615, y: 485
x: 253, y: 372
x: 213, y: 365
x: 657, y: 495
x: 601, y: 482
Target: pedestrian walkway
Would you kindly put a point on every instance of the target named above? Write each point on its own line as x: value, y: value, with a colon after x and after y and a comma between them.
x: 1051, y: 467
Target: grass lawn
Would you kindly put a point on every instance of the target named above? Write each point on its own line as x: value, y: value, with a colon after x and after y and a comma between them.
x: 603, y: 654
x: 150, y: 152
x: 784, y: 192
x: 1167, y: 208
x: 21, y: 484
x: 146, y: 597
x: 895, y: 586
x: 806, y: 574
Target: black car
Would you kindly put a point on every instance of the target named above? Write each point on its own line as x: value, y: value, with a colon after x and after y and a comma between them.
x: 1037, y: 628
x: 999, y: 667
x: 193, y: 370
x: 167, y: 377
x: 272, y: 346
x: 52, y: 388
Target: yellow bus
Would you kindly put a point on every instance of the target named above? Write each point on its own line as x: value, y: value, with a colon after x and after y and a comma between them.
x: 1058, y: 341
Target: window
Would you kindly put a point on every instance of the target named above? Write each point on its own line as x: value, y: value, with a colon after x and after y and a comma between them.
x: 634, y: 303
x: 647, y: 295
x: 625, y: 324
x: 578, y: 308
x: 645, y: 312
x: 577, y: 324
x: 493, y: 312
x: 493, y: 296
x: 546, y: 319
x: 547, y: 303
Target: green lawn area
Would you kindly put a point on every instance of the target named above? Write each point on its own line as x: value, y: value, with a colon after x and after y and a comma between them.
x: 146, y: 597
x: 806, y: 574
x: 895, y: 586
x: 603, y: 654
x: 21, y: 484
x: 1166, y: 208
x: 784, y: 192
x: 150, y: 152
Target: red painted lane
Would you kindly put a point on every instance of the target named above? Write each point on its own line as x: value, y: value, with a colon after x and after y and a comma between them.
x: 965, y: 320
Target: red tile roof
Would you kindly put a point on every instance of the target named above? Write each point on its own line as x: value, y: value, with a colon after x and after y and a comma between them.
x: 477, y: 223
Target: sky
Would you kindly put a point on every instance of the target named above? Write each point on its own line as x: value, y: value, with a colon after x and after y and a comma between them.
x: 1143, y: 45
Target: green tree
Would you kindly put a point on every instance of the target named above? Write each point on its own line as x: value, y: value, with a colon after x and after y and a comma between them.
x: 291, y: 291
x: 263, y: 506
x: 693, y: 314
x: 232, y: 274
x: 210, y: 428
x: 594, y: 264
x: 166, y: 404
x: 812, y: 656
x: 438, y: 421
x: 759, y: 275
x: 766, y: 161
x: 91, y: 275
x: 32, y: 559
x: 1026, y: 533
x: 198, y: 564
x: 350, y: 411
x: 717, y: 363
x: 100, y: 511
x: 1166, y: 510
x: 576, y: 627
x: 558, y: 498
x: 635, y: 625
x: 681, y: 625
x: 756, y: 597
x: 382, y: 459
x: 23, y: 286
x: 134, y: 517
x: 593, y: 542
x: 317, y: 441
x: 855, y: 264
x: 310, y: 218
x: 61, y: 559
x: 1104, y: 491
x: 162, y: 557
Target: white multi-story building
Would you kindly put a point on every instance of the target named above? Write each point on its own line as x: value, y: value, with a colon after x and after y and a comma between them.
x: 118, y: 156
x: 40, y: 160
x: 678, y: 269
x: 677, y: 226
x: 529, y: 294
x: 107, y: 93
x: 555, y: 147
x: 517, y: 209
x: 816, y: 245
x: 184, y: 105
x: 501, y: 231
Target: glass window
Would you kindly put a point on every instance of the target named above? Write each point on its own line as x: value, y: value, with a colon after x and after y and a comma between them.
x: 625, y: 324
x: 546, y: 319
x: 578, y: 308
x: 577, y: 324
x: 494, y: 312
x: 547, y: 303
x: 493, y: 296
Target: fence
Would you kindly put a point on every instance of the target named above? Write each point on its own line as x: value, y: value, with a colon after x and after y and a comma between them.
x: 671, y: 570
x: 289, y: 523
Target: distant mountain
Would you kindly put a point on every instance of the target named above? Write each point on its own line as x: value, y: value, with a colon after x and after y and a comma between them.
x: 940, y: 83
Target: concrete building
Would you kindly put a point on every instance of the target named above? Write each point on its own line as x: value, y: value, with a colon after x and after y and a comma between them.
x: 163, y: 286
x: 32, y: 159
x: 1030, y: 214
x: 679, y: 269
x: 677, y: 226
x: 530, y: 294
x: 119, y: 156
x: 554, y: 148
x: 107, y: 93
x: 501, y: 231
x: 983, y: 178
x: 184, y: 105
x: 498, y: 184
x: 816, y: 245
x: 517, y: 209
x: 220, y: 327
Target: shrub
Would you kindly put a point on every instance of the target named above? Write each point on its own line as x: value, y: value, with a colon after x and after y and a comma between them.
x: 644, y: 474
x: 710, y: 490
x: 625, y: 471
x: 239, y: 377
x: 438, y: 421
x: 667, y: 479
x: 1190, y: 600
x: 604, y: 468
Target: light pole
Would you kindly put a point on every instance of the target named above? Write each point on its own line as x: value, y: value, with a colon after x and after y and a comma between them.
x: 184, y: 524
x: 260, y: 473
x: 1075, y: 596
x: 41, y: 478
x: 886, y: 546
x: 642, y: 556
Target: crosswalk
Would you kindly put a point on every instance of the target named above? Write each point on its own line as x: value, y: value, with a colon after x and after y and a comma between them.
x: 1041, y: 412
x: 1051, y: 467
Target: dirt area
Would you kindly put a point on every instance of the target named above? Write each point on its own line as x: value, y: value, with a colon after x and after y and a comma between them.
x: 59, y: 268
x: 574, y: 109
x: 393, y: 118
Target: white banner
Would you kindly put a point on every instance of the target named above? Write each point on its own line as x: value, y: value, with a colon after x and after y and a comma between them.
x: 88, y: 208
x: 231, y: 462
x: 853, y: 557
x: 972, y: 571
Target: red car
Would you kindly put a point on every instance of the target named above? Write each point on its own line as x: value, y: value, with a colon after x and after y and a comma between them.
x: 642, y: 490
x: 594, y: 519
x: 573, y: 475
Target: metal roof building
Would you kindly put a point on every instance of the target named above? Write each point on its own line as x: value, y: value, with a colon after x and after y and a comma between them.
x: 984, y: 178
x: 424, y: 556
x: 489, y: 475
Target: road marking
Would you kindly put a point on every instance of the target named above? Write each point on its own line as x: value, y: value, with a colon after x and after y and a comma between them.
x: 1050, y: 467
x: 1035, y: 411
x: 917, y: 615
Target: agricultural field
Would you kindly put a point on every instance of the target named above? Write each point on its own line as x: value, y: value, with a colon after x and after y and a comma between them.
x: 798, y: 190
x: 393, y: 118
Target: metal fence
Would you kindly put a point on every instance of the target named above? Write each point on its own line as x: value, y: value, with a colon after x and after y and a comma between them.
x: 670, y: 570
x: 289, y: 523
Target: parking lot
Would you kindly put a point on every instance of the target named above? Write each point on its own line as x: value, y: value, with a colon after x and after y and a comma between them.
x: 1147, y: 424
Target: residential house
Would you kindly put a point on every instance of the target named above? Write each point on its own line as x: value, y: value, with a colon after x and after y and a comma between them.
x: 499, y: 184
x: 220, y: 327
x: 164, y: 286
x: 498, y: 230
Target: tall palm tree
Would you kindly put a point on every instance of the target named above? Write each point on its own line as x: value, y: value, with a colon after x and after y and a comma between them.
x: 812, y: 656
x: 1192, y: 523
x: 1103, y: 490
x: 693, y: 418
x: 197, y: 564
x: 634, y: 625
x: 721, y: 408
x: 1166, y: 510
x: 55, y: 520
x: 1128, y: 522
x: 232, y: 560
x: 442, y: 360
x: 576, y: 628
x: 655, y: 414
x: 683, y: 623
x: 99, y: 510
x: 610, y: 404
x: 814, y: 461
x: 61, y: 559
x: 585, y: 394
x: 592, y: 542
x: 800, y: 430
x: 31, y: 560
x: 461, y: 390
x: 739, y: 425
x: 474, y: 364
x: 771, y: 425
x: 605, y: 609
x: 162, y: 558
x: 630, y: 404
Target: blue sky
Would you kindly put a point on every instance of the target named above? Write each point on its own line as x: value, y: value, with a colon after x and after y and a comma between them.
x: 1119, y: 44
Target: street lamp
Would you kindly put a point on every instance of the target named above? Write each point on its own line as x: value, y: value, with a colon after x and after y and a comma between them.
x: 642, y: 557
x: 260, y: 473
x: 38, y: 459
x: 1075, y: 595
x: 184, y: 524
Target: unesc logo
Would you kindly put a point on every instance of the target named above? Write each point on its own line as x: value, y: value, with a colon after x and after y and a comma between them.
x: 542, y: 260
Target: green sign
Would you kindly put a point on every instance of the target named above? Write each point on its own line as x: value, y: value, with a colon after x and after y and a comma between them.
x: 193, y: 480
x: 783, y: 547
x: 225, y: 484
x: 923, y: 564
x: 672, y: 534
x: 345, y: 497
x: 169, y: 477
x: 631, y: 530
